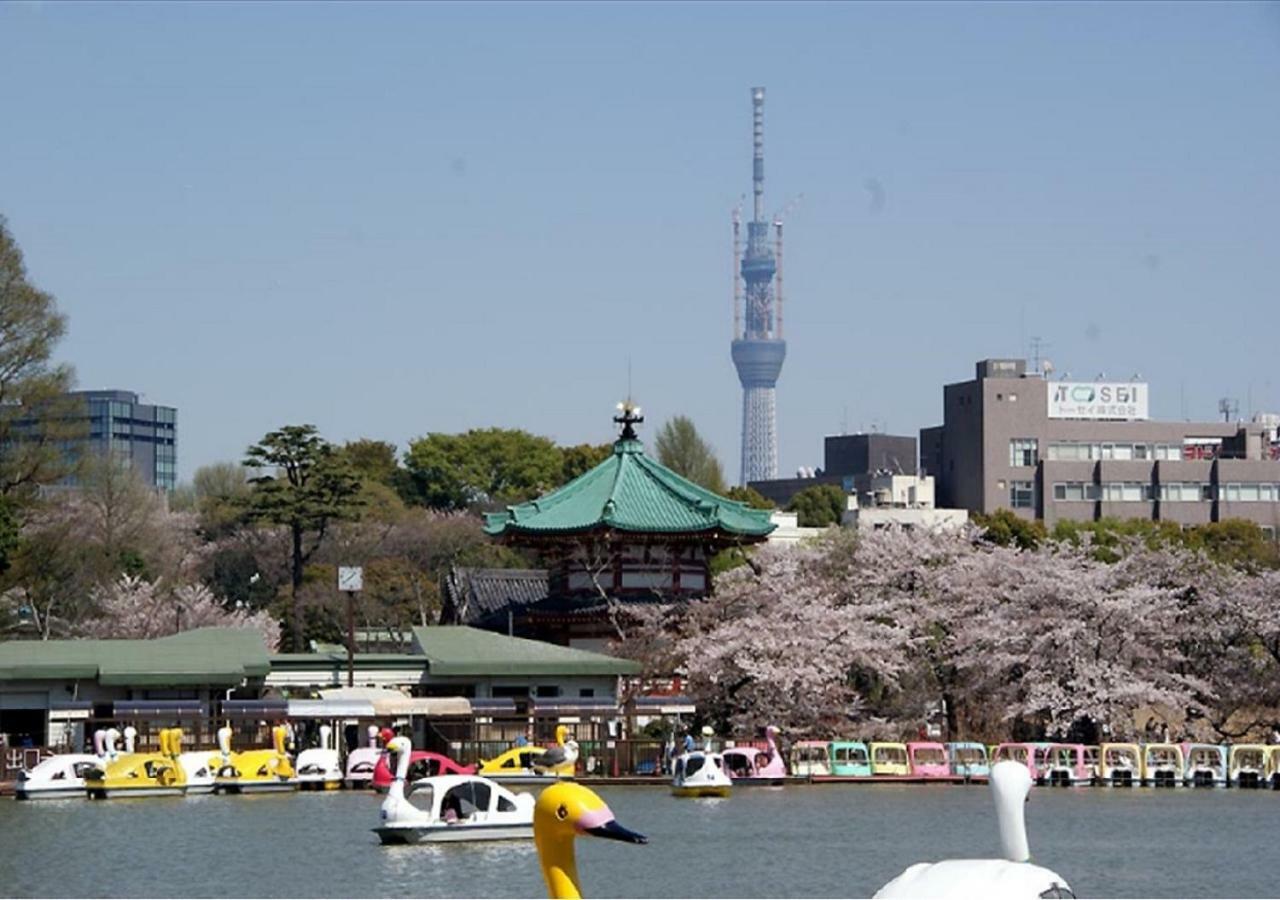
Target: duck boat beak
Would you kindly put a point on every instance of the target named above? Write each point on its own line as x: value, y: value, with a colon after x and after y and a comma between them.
x: 616, y: 832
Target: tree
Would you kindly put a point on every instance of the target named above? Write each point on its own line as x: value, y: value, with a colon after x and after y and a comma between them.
x: 745, y: 493
x: 819, y: 506
x: 135, y: 608
x: 221, y: 493
x: 372, y: 460
x: 37, y: 418
x: 582, y: 458
x: 1007, y: 528
x: 682, y: 450
x: 483, y: 467
x: 311, y: 488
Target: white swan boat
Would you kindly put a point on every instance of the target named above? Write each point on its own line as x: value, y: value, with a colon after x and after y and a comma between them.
x: 450, y: 808
x: 200, y: 767
x: 57, y: 777
x: 1006, y: 878
x: 700, y: 773
x: 318, y: 768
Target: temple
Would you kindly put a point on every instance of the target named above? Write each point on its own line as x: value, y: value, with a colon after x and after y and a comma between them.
x: 628, y: 531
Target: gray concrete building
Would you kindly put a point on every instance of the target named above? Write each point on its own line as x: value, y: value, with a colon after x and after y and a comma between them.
x: 845, y: 458
x: 1013, y: 439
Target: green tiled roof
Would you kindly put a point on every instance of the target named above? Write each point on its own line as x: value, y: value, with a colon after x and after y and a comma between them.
x: 631, y: 492
x: 459, y: 650
x: 204, y: 656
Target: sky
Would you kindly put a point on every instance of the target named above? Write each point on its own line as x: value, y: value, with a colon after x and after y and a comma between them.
x: 394, y: 219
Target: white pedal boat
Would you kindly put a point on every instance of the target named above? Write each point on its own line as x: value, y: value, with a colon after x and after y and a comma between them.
x: 450, y: 808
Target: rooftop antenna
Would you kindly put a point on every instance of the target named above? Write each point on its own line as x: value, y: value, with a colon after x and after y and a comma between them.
x: 1229, y: 408
x: 1037, y: 345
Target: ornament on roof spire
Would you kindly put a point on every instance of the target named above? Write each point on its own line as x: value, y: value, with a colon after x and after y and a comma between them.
x: 630, y: 417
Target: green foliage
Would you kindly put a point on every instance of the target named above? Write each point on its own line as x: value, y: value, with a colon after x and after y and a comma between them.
x: 1005, y: 527
x: 582, y: 458
x: 726, y: 561
x: 819, y: 506
x: 311, y: 487
x: 372, y: 461
x: 38, y: 421
x: 1235, y: 542
x: 750, y: 496
x: 9, y: 532
x: 680, y: 448
x: 483, y: 467
x: 221, y: 495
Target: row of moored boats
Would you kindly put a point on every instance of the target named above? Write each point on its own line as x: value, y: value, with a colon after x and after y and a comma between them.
x: 1110, y: 764
x: 118, y: 768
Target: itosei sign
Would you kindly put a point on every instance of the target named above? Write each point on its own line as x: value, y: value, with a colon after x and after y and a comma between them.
x: 1097, y: 400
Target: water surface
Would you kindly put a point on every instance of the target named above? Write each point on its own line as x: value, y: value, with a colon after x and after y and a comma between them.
x: 823, y: 841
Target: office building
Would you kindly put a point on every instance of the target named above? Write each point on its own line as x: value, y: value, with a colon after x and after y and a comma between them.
x: 143, y: 435
x: 1013, y: 439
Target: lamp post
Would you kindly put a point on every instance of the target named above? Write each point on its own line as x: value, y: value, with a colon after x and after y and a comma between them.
x: 351, y: 580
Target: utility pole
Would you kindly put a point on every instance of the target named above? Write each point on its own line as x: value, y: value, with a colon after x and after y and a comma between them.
x: 351, y: 581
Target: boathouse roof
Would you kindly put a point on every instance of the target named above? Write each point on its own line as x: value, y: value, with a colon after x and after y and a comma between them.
x: 202, y: 656
x: 630, y: 492
x: 456, y: 650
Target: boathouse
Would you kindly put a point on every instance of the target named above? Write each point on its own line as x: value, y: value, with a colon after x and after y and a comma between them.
x: 50, y: 689
x: 629, y: 531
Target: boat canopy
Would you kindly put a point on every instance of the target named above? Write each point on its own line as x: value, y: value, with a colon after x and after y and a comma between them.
x: 331, y: 709
x: 159, y: 709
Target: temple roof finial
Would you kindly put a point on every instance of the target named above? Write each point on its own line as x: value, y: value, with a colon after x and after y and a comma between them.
x: 630, y: 417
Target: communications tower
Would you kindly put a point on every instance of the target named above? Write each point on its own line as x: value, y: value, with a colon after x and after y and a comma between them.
x: 758, y: 347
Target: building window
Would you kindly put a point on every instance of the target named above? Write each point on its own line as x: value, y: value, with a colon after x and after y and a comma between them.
x: 586, y: 692
x: 1185, y: 491
x: 1075, y: 490
x: 1023, y: 451
x: 1126, y: 492
x: 1022, y: 494
x: 1249, y: 493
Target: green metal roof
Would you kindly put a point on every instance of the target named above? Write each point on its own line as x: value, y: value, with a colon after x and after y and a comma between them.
x: 459, y: 650
x: 204, y: 656
x: 631, y: 492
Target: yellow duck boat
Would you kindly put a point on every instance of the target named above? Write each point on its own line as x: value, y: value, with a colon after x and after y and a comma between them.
x: 142, y: 774
x: 253, y: 771
x: 534, y: 765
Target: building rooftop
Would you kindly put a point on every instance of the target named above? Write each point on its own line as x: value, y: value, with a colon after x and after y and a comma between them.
x: 630, y: 492
x: 204, y: 656
x: 459, y: 650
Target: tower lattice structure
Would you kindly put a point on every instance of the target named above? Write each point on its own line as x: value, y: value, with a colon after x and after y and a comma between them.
x: 758, y: 348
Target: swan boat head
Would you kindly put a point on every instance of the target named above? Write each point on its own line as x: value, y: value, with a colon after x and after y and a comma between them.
x: 563, y: 811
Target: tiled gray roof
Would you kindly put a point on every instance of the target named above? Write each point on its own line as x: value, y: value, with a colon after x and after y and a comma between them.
x: 472, y: 595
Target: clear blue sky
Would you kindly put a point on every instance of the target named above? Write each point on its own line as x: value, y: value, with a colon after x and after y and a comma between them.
x: 395, y: 219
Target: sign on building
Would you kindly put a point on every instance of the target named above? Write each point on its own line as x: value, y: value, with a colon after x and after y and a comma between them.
x: 1097, y: 400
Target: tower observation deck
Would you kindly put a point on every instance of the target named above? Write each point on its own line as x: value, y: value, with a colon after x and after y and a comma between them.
x: 758, y: 349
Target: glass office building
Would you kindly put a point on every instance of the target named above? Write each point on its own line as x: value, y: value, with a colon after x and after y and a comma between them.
x: 140, y: 434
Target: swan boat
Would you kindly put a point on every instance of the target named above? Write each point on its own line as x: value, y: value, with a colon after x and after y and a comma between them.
x: 753, y: 766
x: 361, y: 761
x: 450, y: 808
x: 254, y: 771
x: 319, y: 768
x: 534, y: 765
x: 700, y: 773
x: 57, y: 777
x: 141, y: 774
x: 422, y: 764
x: 1012, y: 876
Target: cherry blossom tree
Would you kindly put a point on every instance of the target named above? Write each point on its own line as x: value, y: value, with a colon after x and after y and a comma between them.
x: 135, y: 608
